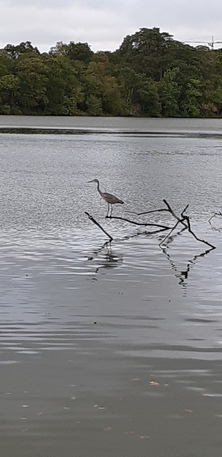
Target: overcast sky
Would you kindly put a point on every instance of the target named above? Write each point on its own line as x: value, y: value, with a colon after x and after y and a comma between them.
x: 103, y: 24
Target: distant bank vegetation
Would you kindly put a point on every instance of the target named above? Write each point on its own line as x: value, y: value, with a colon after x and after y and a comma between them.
x: 150, y: 75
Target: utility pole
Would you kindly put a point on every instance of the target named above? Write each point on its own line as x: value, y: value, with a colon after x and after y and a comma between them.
x: 210, y: 44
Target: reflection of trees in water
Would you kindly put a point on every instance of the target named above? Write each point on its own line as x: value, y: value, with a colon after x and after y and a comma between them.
x: 106, y: 257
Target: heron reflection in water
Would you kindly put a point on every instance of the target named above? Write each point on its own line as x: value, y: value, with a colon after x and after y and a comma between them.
x: 109, y: 198
x: 108, y: 258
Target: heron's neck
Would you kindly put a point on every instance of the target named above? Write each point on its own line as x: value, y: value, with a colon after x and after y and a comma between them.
x: 98, y: 187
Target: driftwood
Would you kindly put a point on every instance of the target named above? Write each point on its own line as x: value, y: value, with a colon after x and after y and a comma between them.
x: 183, y: 219
x: 143, y: 224
x: 180, y: 224
x: 98, y: 225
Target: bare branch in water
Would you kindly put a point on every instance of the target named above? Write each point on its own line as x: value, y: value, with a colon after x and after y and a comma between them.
x: 168, y: 234
x: 151, y: 211
x: 182, y: 214
x: 98, y: 225
x: 143, y: 224
x: 195, y: 236
x: 183, y: 219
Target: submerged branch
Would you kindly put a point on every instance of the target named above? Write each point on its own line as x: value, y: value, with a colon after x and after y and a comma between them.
x: 151, y: 211
x: 143, y: 224
x: 98, y: 225
x: 178, y: 219
x: 182, y: 219
x: 195, y: 236
x: 168, y: 234
x: 185, y: 221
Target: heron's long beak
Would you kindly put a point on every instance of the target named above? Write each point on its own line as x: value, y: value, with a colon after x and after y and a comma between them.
x: 91, y: 180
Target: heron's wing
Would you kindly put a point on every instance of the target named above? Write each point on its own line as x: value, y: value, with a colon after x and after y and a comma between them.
x: 110, y: 198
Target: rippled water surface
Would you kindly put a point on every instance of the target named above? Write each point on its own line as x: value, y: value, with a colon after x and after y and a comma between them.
x: 110, y: 349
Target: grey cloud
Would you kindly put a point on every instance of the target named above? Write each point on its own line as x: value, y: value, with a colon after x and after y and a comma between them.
x: 102, y: 23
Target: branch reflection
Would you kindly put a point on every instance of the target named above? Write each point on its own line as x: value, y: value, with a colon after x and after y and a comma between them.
x: 182, y: 275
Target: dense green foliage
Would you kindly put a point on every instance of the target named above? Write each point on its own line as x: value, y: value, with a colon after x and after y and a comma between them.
x: 149, y: 75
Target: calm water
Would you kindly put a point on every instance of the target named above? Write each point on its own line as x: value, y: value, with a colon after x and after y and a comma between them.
x: 109, y: 350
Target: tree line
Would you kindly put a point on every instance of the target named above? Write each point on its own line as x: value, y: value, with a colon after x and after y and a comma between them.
x: 149, y: 75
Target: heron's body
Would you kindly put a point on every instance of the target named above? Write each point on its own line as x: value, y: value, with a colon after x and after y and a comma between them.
x: 109, y: 198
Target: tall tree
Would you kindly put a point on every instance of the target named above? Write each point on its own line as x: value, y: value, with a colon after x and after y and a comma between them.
x: 23, y: 47
x: 145, y: 51
x: 169, y: 91
x: 74, y: 51
x: 32, y: 74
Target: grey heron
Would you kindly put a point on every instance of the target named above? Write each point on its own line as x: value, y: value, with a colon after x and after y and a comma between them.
x: 109, y: 198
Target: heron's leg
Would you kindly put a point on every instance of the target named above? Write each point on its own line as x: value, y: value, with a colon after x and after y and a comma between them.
x: 111, y: 210
x: 107, y: 211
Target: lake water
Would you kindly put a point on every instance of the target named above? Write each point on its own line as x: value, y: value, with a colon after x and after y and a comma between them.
x: 111, y: 350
